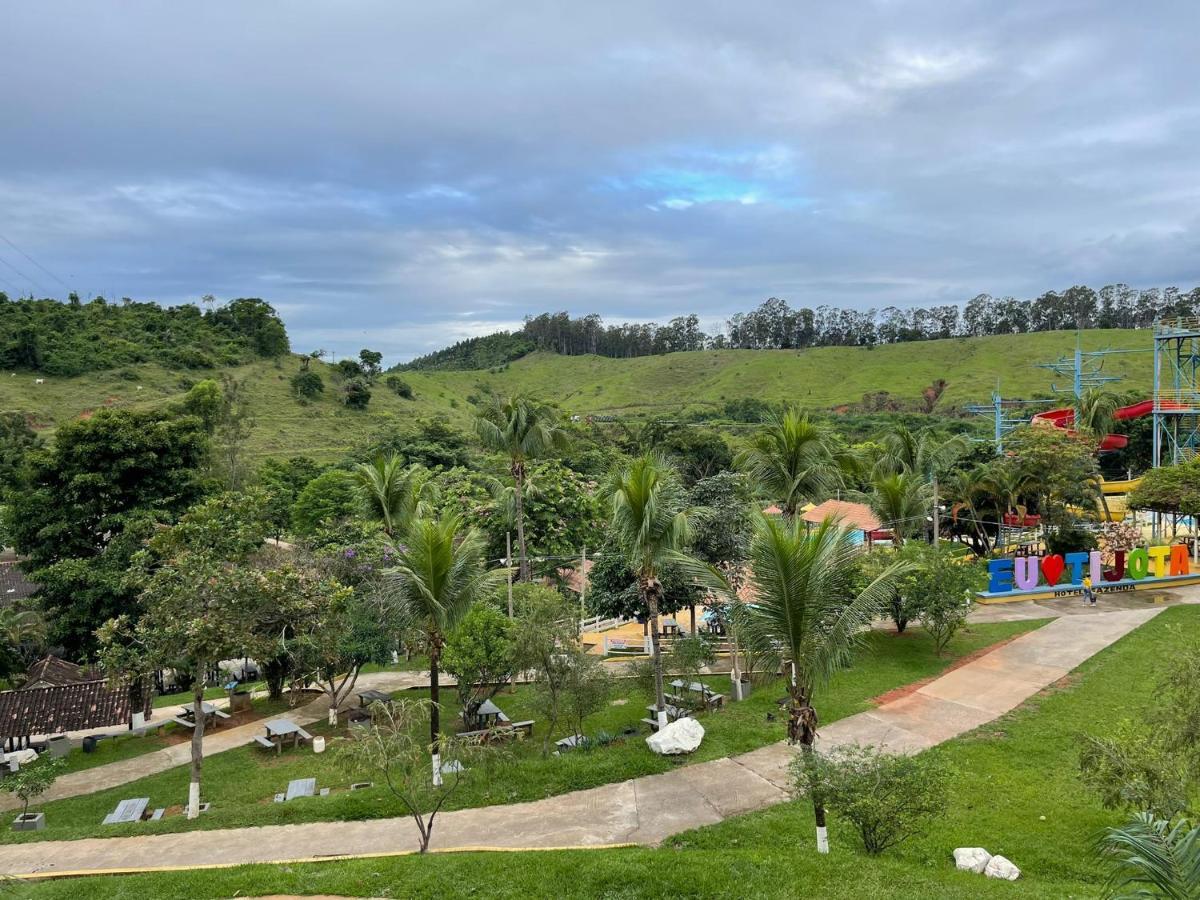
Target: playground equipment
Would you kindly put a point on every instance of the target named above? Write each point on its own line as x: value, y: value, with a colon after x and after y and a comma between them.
x: 1065, y: 418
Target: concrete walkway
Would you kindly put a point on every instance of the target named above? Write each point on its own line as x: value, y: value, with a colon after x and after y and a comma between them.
x: 644, y: 810
x: 216, y: 740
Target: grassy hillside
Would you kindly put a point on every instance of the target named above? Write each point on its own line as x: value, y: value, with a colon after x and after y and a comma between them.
x: 822, y: 378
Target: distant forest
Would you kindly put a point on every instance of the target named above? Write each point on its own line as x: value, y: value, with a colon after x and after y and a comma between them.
x: 776, y: 326
x: 73, y: 338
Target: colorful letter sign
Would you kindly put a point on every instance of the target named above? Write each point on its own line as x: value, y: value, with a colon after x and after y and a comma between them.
x: 1026, y: 573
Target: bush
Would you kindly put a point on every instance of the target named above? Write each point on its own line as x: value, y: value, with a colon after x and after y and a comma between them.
x: 356, y: 394
x: 889, y: 797
x: 399, y: 386
x: 1070, y: 539
x: 308, y: 385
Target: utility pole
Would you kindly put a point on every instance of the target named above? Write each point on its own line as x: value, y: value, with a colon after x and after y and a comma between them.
x: 582, y: 586
x: 508, y: 565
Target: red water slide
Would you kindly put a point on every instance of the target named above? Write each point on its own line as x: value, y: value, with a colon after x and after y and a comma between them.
x: 1065, y: 418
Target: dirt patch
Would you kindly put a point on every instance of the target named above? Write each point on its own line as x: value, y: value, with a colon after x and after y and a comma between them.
x: 903, y: 691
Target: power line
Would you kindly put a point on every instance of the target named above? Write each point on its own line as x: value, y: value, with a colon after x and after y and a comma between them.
x: 35, y: 262
x: 23, y: 275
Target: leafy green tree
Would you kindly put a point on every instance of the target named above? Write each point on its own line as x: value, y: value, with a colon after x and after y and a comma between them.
x: 479, y: 654
x: 115, y: 473
x: 371, y: 362
x: 586, y: 688
x: 545, y: 635
x: 889, y: 797
x: 283, y: 480
x: 390, y: 749
x: 922, y: 453
x: 697, y: 452
x: 17, y: 442
x: 32, y: 780
x: 308, y: 385
x: 392, y: 494
x: 810, y: 608
x: 201, y: 601
x: 1062, y: 471
x: 232, y: 433
x: 330, y: 632
x: 942, y: 589
x: 522, y: 430
x: 22, y: 637
x: 652, y: 526
x: 439, y: 574
x: 723, y: 534
x: 206, y: 401
x: 327, y: 499
x: 355, y: 393
x: 793, y: 459
x: 1169, y: 489
x: 399, y: 386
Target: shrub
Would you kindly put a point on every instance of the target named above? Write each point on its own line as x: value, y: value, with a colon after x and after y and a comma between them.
x: 356, y: 394
x: 399, y: 386
x: 308, y: 385
x: 889, y: 797
x: 1070, y: 539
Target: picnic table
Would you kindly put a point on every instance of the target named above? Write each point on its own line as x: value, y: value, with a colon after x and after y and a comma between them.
x: 128, y: 811
x: 569, y: 742
x: 211, y: 713
x: 366, y: 698
x: 670, y: 626
x: 277, y: 732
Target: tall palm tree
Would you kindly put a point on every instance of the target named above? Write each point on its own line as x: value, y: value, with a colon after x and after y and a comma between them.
x: 902, y: 502
x: 393, y: 494
x: 922, y: 452
x: 1006, y: 482
x: 439, y: 574
x: 964, y: 493
x: 795, y: 459
x: 522, y: 429
x: 1095, y: 415
x: 652, y: 526
x: 1153, y: 858
x: 808, y: 608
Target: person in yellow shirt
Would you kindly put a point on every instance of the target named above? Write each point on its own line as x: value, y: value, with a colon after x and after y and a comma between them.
x: 1089, y: 596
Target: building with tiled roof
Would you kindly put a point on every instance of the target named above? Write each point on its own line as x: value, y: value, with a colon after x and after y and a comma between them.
x: 13, y: 583
x: 44, y: 711
x: 51, y: 671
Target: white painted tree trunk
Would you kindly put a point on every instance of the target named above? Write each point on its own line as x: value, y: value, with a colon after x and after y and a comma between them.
x: 193, y: 799
x: 822, y: 839
x: 333, y: 713
x: 437, y: 770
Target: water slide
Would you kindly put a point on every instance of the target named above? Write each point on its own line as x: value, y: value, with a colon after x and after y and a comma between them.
x: 1065, y: 418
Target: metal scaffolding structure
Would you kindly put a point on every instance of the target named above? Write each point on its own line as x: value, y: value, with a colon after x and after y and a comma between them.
x: 1006, y: 415
x: 1176, y: 390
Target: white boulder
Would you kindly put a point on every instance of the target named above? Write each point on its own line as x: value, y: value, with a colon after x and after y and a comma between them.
x: 971, y: 859
x: 999, y: 867
x: 681, y: 736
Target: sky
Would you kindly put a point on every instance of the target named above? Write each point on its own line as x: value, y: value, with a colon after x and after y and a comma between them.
x: 401, y: 175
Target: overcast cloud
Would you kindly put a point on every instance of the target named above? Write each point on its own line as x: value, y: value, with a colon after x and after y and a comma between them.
x: 401, y: 175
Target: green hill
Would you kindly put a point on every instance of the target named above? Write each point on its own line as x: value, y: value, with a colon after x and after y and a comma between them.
x: 675, y: 384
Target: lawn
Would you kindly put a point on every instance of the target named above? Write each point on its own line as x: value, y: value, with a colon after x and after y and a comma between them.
x: 1010, y: 774
x: 241, y: 783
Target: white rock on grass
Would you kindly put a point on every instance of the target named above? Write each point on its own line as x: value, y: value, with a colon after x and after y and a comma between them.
x: 971, y: 859
x: 681, y: 736
x: 999, y: 867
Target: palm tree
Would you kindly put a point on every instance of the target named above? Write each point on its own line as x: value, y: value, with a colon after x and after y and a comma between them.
x: 809, y: 608
x: 902, y: 502
x: 1006, y: 482
x: 1153, y: 858
x: 964, y: 493
x: 794, y: 459
x: 1095, y: 415
x: 393, y: 494
x: 438, y: 575
x: 652, y: 526
x: 922, y: 452
x: 523, y: 430
x: 21, y: 627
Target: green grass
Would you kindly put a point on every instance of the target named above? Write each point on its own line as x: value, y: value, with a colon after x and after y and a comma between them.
x: 241, y: 783
x: 822, y: 378
x: 1010, y: 773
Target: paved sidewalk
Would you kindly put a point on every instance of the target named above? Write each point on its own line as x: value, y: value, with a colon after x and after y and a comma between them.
x: 217, y: 740
x: 645, y: 810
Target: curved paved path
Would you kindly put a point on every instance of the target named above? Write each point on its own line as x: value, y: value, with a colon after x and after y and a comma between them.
x: 643, y: 810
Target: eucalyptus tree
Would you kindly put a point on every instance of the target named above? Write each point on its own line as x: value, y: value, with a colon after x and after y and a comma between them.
x: 522, y: 429
x: 811, y: 609
x: 391, y: 493
x: 439, y: 574
x: 794, y: 459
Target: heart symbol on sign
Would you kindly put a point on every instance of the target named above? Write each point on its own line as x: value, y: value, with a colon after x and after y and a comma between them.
x: 1052, y: 568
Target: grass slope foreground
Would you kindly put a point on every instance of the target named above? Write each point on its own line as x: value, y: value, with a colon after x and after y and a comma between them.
x: 701, y: 381
x: 1016, y: 791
